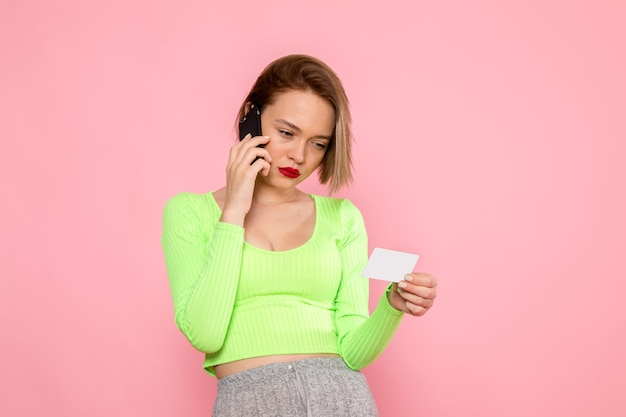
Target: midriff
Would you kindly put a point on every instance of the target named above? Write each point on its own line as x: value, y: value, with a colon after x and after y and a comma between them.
x: 230, y: 368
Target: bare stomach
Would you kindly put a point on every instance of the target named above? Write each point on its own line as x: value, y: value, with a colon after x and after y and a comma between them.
x: 230, y: 368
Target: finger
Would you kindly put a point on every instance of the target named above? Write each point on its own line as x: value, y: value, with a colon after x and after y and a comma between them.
x: 258, y: 153
x: 415, y: 310
x: 416, y: 299
x: 258, y: 141
x: 240, y: 149
x: 256, y: 147
x: 422, y: 279
x: 261, y: 165
x: 419, y: 290
x: 255, y: 139
x: 248, y: 153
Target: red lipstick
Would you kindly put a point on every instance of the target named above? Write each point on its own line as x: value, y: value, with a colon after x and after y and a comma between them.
x: 289, y: 172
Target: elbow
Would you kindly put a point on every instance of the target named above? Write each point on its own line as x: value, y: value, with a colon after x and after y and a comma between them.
x: 205, y: 344
x: 355, y: 355
x: 204, y: 340
x: 350, y: 363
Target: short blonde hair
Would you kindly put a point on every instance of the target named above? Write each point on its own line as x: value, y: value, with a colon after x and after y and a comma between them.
x: 306, y: 73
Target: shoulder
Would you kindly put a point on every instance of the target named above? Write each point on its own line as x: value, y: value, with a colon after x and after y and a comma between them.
x: 190, y: 206
x: 341, y: 209
x: 338, y: 204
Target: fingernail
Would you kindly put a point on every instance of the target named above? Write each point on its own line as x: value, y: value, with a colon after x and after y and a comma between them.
x: 408, y: 278
x: 402, y: 284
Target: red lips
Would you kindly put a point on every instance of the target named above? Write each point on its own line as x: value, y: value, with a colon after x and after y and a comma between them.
x: 289, y: 172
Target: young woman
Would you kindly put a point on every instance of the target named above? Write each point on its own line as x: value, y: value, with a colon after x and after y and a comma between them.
x: 266, y: 280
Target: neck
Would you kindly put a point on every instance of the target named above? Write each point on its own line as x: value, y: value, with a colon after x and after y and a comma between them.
x: 265, y: 194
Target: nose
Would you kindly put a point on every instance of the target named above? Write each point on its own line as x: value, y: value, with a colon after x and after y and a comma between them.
x: 297, y: 151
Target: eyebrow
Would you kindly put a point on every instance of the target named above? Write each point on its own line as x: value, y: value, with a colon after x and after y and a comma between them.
x: 296, y: 128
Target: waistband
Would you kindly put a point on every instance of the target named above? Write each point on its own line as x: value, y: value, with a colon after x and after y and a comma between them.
x: 272, y: 370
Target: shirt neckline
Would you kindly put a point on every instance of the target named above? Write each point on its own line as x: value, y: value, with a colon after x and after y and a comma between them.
x: 307, y: 243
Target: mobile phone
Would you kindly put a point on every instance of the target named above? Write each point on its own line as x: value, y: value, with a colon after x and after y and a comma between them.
x: 251, y: 123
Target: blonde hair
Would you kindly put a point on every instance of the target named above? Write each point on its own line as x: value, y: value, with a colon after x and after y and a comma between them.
x: 306, y: 73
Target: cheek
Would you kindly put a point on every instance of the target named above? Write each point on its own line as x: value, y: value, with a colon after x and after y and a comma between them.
x: 317, y: 159
x: 323, y: 153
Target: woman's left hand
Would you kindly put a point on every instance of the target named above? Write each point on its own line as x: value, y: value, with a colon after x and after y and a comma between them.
x: 415, y: 294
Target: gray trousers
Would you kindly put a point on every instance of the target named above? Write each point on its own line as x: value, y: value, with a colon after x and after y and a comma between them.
x: 318, y: 387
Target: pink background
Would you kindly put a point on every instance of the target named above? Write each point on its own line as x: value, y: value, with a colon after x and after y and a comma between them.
x: 491, y: 139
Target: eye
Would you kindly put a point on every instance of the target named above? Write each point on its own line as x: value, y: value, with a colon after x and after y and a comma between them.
x: 319, y: 145
x: 285, y: 132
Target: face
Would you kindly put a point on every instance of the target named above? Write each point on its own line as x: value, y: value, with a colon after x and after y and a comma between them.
x: 300, y: 125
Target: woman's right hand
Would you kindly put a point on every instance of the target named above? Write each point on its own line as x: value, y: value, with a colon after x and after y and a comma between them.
x: 241, y: 173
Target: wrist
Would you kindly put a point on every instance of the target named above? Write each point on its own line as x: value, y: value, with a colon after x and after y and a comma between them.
x: 392, y: 297
x: 233, y: 217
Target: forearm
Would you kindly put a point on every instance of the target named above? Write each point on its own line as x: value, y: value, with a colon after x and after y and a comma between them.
x: 365, y: 343
x: 205, y: 315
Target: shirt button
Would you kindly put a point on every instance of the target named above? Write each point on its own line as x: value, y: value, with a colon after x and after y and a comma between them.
x: 289, y: 367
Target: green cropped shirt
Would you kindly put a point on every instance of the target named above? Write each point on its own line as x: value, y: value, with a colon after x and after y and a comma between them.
x: 234, y: 301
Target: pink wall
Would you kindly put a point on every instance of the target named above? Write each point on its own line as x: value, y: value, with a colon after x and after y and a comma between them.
x: 491, y: 140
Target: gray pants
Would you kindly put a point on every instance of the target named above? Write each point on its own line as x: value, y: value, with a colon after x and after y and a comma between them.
x: 319, y: 387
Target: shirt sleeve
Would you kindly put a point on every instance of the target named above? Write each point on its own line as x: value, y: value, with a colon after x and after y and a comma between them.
x: 203, y: 262
x: 361, y: 337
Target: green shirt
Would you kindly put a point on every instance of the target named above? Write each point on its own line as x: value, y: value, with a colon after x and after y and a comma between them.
x: 234, y: 301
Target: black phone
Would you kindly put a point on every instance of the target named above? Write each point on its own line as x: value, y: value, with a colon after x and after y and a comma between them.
x: 251, y: 123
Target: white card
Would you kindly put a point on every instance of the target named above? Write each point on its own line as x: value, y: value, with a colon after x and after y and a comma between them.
x: 389, y: 265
